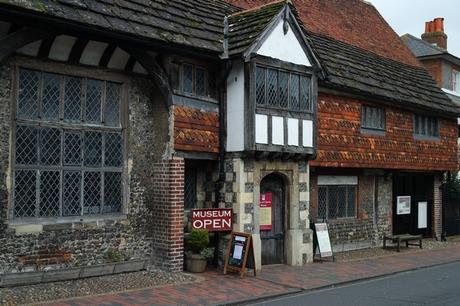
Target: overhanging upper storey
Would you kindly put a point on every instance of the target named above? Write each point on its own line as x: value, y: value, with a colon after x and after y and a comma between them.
x: 272, y: 87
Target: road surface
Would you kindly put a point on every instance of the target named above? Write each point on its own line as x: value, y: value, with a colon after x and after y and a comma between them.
x: 438, y: 285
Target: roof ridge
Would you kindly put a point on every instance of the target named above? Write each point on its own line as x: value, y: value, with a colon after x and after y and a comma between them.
x: 255, y: 8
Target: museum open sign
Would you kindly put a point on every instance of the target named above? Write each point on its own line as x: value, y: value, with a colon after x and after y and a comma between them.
x: 213, y: 219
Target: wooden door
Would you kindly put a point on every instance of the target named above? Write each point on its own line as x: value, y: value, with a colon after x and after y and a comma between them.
x: 420, y: 188
x: 273, y: 239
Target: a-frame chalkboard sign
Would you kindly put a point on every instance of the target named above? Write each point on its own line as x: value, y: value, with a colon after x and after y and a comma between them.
x: 323, y: 241
x: 240, y: 254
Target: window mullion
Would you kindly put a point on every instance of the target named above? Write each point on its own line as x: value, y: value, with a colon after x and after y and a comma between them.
x: 37, y: 193
x: 103, y: 102
x: 40, y: 96
x: 83, y: 100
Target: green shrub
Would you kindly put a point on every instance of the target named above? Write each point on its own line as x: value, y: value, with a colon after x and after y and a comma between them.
x: 112, y: 255
x: 197, y: 240
x: 207, y: 253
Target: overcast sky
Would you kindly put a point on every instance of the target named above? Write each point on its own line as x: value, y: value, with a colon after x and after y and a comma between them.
x: 409, y: 16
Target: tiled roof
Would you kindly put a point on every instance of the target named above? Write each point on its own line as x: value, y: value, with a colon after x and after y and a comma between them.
x: 355, y: 22
x: 420, y: 47
x: 246, y: 26
x: 197, y: 24
x: 363, y: 71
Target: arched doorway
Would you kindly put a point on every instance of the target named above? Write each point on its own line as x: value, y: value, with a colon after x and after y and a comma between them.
x: 273, y: 193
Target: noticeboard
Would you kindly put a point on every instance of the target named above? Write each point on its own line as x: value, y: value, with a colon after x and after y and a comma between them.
x: 403, y: 205
x: 422, y: 214
x: 240, y: 254
x: 324, y: 243
x: 265, y: 206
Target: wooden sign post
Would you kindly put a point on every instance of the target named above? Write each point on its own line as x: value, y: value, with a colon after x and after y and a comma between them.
x: 324, y: 243
x: 239, y: 250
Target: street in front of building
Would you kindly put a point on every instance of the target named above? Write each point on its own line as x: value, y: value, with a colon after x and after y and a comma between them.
x: 429, y: 286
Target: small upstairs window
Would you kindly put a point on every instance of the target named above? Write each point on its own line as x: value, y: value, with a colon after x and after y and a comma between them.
x: 282, y: 89
x: 456, y: 81
x: 194, y: 80
x: 425, y: 126
x: 372, y: 118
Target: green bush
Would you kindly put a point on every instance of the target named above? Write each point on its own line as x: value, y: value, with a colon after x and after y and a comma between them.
x: 113, y: 255
x: 197, y: 240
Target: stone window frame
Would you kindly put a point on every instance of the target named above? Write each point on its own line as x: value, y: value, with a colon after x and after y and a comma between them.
x: 66, y: 69
x: 336, y: 218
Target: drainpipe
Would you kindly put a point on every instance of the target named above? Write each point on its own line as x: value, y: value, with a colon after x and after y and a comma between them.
x: 222, y: 92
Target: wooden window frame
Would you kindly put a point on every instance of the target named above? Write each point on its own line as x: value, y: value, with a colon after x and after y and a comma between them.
x: 194, y: 69
x: 369, y: 126
x: 455, y: 84
x: 421, y: 131
x: 290, y: 72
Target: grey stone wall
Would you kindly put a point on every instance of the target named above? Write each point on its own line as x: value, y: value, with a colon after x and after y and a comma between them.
x: 131, y: 234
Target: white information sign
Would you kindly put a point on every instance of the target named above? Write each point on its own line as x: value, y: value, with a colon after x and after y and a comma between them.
x: 324, y: 243
x: 403, y: 205
x: 422, y: 214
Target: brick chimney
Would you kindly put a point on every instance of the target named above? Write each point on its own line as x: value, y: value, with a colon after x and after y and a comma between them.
x: 434, y: 33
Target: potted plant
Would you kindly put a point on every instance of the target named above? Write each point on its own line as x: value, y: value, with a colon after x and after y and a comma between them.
x: 198, y: 251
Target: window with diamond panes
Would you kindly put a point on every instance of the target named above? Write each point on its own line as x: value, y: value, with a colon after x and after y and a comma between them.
x: 282, y: 89
x: 190, y: 183
x: 335, y: 202
x: 194, y: 80
x: 68, y: 146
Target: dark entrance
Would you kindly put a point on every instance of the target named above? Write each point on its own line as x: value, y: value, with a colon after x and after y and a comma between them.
x: 420, y: 188
x: 273, y: 240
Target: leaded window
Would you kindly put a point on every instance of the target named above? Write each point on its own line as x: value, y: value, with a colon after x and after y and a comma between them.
x: 190, y: 185
x: 426, y: 126
x: 282, y: 89
x: 68, y: 146
x: 194, y: 80
x: 372, y: 118
x: 336, y: 201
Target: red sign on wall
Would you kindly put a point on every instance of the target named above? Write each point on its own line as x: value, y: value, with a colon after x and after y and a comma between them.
x: 265, y: 204
x: 213, y: 219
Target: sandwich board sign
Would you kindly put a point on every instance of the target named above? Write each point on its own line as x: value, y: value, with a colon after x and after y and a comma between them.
x: 324, y: 243
x: 240, y: 254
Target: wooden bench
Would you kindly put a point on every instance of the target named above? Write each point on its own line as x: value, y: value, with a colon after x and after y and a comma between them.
x: 403, y: 238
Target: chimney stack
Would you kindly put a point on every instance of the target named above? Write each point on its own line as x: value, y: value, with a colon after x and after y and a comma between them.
x: 434, y: 33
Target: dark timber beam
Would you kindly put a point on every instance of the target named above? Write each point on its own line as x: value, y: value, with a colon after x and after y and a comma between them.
x: 45, y: 47
x: 77, y: 50
x: 155, y: 70
x: 107, y: 55
x: 19, y: 39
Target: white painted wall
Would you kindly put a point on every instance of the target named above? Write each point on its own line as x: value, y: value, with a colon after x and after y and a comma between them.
x: 93, y: 53
x: 293, y: 132
x: 261, y: 129
x: 277, y: 130
x: 62, y: 45
x: 235, y: 108
x: 337, y: 180
x: 307, y: 133
x: 284, y: 47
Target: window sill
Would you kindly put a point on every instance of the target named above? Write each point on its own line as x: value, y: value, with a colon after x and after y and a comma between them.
x: 64, y: 222
x: 195, y: 97
x: 375, y: 132
x: 427, y: 138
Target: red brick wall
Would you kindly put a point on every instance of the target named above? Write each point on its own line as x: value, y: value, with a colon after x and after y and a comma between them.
x: 437, y: 208
x: 342, y: 144
x: 434, y: 67
x: 168, y: 214
x: 196, y: 130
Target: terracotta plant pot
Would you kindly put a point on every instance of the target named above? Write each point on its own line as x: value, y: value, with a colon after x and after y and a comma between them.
x: 195, y: 263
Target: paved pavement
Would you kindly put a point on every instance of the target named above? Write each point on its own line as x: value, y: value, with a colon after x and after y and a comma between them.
x: 429, y: 286
x: 218, y: 289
